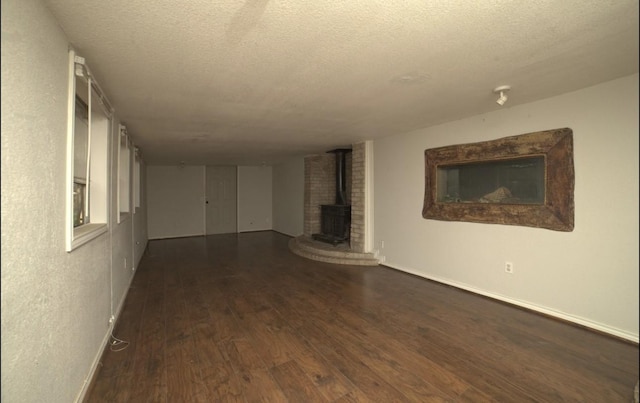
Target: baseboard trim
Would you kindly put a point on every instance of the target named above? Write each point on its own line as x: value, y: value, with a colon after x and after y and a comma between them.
x: 284, y: 233
x: 246, y: 231
x: 157, y: 238
x: 599, y: 327
x: 93, y: 372
x: 90, y: 380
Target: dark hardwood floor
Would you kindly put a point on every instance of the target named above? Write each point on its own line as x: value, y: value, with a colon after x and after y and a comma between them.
x: 240, y: 318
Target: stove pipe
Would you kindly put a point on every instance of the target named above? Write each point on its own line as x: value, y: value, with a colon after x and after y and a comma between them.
x: 341, y: 194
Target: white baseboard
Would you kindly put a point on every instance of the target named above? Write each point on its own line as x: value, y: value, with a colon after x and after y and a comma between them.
x: 547, y: 311
x: 254, y: 230
x: 105, y: 341
x: 159, y: 237
x: 94, y: 367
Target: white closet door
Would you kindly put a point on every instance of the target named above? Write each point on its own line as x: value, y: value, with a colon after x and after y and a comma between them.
x: 221, y: 200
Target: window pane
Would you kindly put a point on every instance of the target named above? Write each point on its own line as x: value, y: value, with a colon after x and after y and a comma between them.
x: 80, y: 139
x: 511, y: 181
x: 124, y: 173
x: 79, y: 190
x: 98, y: 191
x: 136, y: 181
x: 80, y: 153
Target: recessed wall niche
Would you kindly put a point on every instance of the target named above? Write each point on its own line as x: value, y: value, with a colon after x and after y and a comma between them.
x: 525, y: 180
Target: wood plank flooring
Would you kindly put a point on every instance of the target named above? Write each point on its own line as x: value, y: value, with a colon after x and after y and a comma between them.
x: 239, y: 318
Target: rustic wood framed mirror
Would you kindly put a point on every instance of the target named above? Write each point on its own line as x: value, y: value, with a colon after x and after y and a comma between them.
x: 525, y: 180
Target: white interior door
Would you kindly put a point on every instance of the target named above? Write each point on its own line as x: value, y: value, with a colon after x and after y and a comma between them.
x: 221, y: 200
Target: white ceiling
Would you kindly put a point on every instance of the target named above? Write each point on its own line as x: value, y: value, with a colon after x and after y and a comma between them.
x: 251, y: 82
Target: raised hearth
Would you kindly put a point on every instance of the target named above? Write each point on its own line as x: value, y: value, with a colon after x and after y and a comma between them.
x: 323, y: 252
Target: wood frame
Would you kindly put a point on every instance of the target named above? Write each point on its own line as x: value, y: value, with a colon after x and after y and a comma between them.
x: 557, y: 211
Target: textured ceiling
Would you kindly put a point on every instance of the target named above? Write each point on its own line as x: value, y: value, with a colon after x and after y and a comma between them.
x: 233, y: 82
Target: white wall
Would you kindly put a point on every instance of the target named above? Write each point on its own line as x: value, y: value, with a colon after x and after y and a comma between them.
x: 288, y: 197
x: 176, y: 194
x: 254, y: 198
x: 121, y: 233
x: 589, y: 275
x: 175, y: 201
x: 55, y: 305
x: 140, y: 235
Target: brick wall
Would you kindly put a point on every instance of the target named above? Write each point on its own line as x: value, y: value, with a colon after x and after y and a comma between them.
x: 357, y: 197
x: 320, y: 188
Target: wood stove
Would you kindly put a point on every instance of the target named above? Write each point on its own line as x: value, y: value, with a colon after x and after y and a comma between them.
x: 335, y: 219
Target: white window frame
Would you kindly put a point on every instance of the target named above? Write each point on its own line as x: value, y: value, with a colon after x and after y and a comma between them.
x: 100, y: 121
x: 124, y: 174
x: 137, y: 190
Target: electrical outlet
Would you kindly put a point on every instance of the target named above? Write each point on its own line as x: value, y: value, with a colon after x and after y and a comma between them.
x: 508, y: 267
x: 125, y: 262
x: 381, y: 244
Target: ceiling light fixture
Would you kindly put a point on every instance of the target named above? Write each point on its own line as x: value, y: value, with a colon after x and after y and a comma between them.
x: 502, y: 91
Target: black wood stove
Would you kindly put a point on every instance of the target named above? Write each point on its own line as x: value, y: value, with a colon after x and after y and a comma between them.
x: 335, y: 219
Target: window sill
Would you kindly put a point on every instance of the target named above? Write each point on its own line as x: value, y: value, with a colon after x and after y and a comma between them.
x: 86, y: 233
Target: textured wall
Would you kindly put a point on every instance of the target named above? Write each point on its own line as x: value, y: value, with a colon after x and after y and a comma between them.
x: 55, y: 305
x: 288, y: 197
x: 589, y: 275
x: 140, y: 235
x: 255, y: 199
x: 122, y: 251
x: 175, y: 200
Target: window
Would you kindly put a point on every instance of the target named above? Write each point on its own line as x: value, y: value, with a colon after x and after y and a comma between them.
x: 525, y: 180
x: 136, y: 179
x: 80, y: 166
x: 89, y: 126
x: 124, y: 174
x: 508, y: 181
